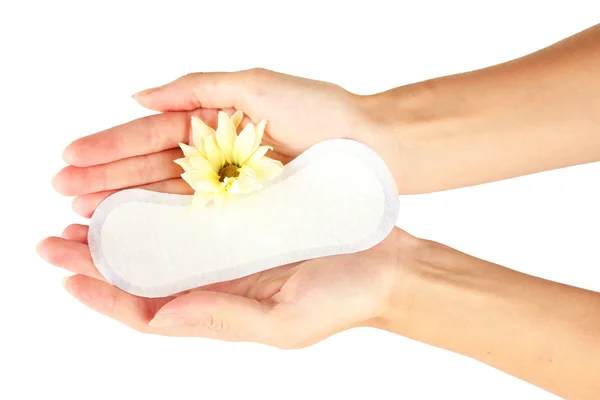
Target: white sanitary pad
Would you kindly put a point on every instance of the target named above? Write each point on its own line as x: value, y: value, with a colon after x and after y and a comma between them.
x: 337, y: 197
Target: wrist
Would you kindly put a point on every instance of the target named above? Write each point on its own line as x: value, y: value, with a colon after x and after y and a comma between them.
x: 411, y: 275
x: 437, y: 291
x: 509, y: 320
x: 408, y: 126
x: 404, y: 306
x: 440, y: 134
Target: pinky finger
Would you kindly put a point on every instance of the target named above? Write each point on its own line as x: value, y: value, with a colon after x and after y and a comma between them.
x: 111, y: 301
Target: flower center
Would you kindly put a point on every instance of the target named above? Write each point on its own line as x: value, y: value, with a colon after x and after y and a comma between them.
x: 228, y: 171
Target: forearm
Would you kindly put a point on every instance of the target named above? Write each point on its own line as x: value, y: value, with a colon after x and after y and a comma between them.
x: 536, y: 113
x: 540, y: 331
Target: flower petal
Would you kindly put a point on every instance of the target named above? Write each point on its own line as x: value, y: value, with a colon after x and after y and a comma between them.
x: 207, y: 186
x: 202, y: 181
x: 201, y: 199
x: 226, y: 135
x: 244, y: 183
x: 234, y: 188
x: 199, y: 131
x: 202, y: 176
x: 201, y: 164
x: 214, y: 155
x: 221, y: 198
x: 228, y: 183
x: 189, y: 151
x: 184, y: 163
x: 244, y: 143
x: 245, y: 186
x: 246, y: 172
x: 237, y: 188
x: 266, y: 168
x: 236, y: 118
x: 258, y: 154
x: 260, y: 130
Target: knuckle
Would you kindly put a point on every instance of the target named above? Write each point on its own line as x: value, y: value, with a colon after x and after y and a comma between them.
x: 282, y: 344
x: 258, y: 72
x: 256, y: 82
x: 142, y: 329
x: 287, y: 341
x: 109, y: 302
x: 286, y: 344
x: 191, y: 75
x: 214, y: 323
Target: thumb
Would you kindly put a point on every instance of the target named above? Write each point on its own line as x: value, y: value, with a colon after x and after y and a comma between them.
x: 196, y: 90
x: 219, y: 315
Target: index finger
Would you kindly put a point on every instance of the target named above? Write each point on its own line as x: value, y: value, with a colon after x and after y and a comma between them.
x: 142, y: 136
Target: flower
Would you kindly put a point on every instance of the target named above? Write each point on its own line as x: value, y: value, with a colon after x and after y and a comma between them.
x: 221, y: 163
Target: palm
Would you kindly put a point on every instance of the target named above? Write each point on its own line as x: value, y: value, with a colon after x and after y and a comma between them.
x: 319, y: 296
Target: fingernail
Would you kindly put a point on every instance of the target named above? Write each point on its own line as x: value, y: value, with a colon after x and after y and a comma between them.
x: 166, y: 320
x: 37, y: 246
x: 54, y: 183
x: 66, y: 155
x: 145, y: 92
x: 64, y: 282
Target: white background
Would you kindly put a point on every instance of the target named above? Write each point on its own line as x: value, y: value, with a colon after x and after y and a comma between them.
x: 68, y: 69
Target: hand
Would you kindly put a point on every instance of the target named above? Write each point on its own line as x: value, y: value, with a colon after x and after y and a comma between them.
x: 140, y: 153
x: 288, y: 307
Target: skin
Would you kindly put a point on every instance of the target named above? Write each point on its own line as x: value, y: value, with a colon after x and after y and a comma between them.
x: 533, y: 114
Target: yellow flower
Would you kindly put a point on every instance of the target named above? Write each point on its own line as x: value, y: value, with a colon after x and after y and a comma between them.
x: 222, y: 163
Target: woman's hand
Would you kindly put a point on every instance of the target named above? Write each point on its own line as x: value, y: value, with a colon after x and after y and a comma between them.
x: 288, y: 307
x: 486, y: 125
x: 534, y: 329
x: 140, y: 153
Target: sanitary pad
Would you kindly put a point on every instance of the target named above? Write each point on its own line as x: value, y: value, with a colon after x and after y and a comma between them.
x: 337, y: 197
